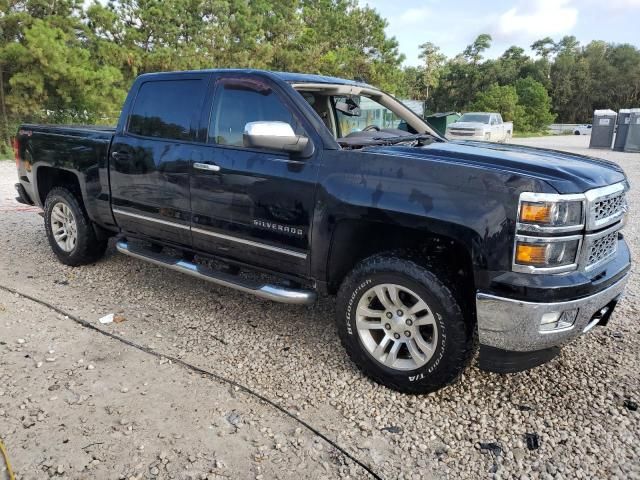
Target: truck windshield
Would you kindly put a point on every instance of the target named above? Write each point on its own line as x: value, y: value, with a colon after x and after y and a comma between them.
x: 474, y: 117
x: 371, y: 114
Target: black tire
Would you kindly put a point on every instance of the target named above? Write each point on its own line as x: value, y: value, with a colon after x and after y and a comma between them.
x: 577, y: 132
x: 89, y: 247
x: 455, y: 344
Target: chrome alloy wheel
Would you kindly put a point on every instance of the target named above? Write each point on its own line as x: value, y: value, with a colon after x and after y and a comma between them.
x: 64, y: 227
x: 396, y: 327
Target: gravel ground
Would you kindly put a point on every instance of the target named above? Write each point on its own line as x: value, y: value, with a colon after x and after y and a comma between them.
x: 76, y: 404
x: 571, y: 418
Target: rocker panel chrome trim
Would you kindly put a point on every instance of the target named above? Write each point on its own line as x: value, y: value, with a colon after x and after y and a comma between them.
x: 249, y: 242
x: 213, y: 234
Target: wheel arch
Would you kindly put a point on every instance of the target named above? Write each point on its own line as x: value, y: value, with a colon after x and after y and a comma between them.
x: 355, y: 240
x: 48, y: 178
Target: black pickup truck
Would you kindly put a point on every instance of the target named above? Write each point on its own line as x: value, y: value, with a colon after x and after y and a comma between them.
x: 330, y: 186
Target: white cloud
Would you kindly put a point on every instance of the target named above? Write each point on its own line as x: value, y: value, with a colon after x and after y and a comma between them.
x: 621, y: 5
x: 537, y: 19
x: 413, y: 16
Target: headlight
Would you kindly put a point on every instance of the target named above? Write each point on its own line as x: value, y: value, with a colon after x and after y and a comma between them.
x: 547, y: 253
x: 551, y: 214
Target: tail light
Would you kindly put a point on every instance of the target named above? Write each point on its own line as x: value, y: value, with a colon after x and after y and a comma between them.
x: 16, y: 150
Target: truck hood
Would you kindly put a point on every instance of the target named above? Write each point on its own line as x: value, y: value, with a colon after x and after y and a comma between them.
x: 468, y: 125
x: 565, y: 172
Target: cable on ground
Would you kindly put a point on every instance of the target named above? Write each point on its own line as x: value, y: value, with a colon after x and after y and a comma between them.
x: 199, y: 370
x: 3, y: 449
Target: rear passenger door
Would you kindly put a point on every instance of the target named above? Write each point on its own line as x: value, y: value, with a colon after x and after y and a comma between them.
x: 151, y: 157
x: 249, y: 204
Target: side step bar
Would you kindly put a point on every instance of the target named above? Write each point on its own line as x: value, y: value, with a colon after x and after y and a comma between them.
x: 269, y: 292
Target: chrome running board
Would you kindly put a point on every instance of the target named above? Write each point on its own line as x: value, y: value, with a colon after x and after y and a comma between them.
x: 270, y: 292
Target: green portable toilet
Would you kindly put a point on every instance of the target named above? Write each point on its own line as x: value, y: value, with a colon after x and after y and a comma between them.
x: 439, y: 121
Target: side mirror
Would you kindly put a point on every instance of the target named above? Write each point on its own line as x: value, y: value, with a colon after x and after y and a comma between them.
x: 273, y: 136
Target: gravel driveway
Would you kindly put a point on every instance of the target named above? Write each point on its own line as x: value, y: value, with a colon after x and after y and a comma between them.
x: 571, y: 418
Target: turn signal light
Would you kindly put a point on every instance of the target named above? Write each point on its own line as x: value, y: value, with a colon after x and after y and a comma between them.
x: 547, y: 253
x: 531, y: 254
x: 536, y: 212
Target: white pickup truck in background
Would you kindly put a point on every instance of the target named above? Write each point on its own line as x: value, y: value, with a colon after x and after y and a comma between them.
x: 582, y: 129
x: 485, y: 126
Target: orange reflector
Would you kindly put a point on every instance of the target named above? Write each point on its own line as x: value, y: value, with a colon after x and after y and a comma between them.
x: 531, y: 254
x: 535, y: 212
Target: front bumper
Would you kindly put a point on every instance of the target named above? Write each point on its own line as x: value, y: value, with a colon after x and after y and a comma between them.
x: 513, y: 326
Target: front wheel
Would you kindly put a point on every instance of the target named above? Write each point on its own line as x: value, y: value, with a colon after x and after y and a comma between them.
x: 402, y: 326
x: 69, y: 229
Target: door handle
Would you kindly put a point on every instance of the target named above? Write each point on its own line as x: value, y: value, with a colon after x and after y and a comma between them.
x: 120, y: 155
x: 209, y: 167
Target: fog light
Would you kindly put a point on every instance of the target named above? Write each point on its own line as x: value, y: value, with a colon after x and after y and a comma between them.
x: 552, y: 321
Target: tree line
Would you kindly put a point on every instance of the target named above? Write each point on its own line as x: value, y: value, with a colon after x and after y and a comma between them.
x: 563, y: 81
x: 64, y: 61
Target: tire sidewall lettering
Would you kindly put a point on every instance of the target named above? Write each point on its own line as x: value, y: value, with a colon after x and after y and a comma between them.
x: 434, y: 363
x: 354, y: 296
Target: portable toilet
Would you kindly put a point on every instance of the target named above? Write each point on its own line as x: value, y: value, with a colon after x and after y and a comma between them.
x: 440, y: 121
x: 624, y: 116
x: 604, y: 124
x: 632, y: 143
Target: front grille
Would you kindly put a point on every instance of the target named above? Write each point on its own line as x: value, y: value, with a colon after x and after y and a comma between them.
x: 606, y: 206
x: 609, y: 207
x: 466, y: 133
x: 601, y: 249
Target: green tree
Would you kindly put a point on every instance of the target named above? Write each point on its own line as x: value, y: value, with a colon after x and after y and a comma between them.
x: 433, y: 61
x: 474, y: 51
x: 543, y: 47
x: 502, y: 99
x: 534, y: 113
x: 55, y: 78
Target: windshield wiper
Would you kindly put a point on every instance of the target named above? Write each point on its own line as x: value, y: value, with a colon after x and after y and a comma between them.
x: 407, y: 138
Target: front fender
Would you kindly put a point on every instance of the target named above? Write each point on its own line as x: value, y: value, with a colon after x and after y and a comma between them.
x: 476, y: 207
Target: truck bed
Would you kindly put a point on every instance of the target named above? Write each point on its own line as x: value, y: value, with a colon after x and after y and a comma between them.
x: 79, y: 151
x: 84, y: 131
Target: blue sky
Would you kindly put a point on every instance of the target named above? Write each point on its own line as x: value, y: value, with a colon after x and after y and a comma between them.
x: 453, y: 24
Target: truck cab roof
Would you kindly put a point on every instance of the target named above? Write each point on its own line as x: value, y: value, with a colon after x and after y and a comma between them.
x: 290, y: 77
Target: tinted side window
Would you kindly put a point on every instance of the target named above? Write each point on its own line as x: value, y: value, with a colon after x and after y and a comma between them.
x: 240, y: 101
x: 167, y: 109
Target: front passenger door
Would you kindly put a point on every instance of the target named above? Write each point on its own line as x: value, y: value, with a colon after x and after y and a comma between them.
x: 250, y: 204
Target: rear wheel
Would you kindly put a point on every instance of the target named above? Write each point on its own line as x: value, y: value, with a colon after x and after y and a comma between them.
x: 69, y: 229
x: 402, y: 326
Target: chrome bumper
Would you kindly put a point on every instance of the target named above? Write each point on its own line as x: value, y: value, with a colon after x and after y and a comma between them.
x: 514, y: 325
